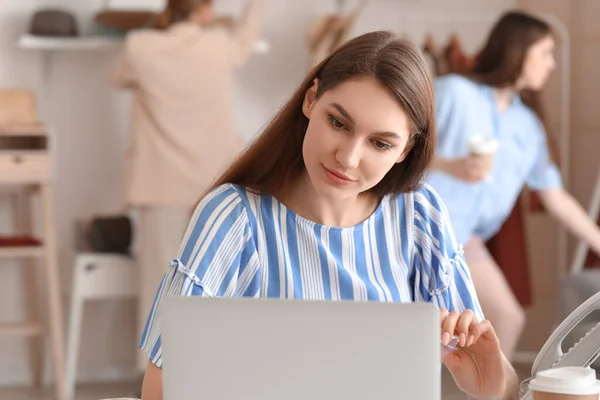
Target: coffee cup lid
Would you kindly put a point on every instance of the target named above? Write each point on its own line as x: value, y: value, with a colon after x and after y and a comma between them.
x: 566, y: 380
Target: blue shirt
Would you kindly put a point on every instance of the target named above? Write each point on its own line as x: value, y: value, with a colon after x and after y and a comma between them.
x: 464, y: 108
x: 239, y: 243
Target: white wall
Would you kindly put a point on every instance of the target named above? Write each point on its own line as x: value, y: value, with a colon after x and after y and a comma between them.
x: 91, y: 125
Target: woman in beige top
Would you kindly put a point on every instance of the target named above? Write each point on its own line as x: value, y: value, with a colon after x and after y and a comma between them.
x: 183, y: 131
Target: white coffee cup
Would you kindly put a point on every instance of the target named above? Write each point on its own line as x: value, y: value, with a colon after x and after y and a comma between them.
x: 480, y: 144
x: 485, y: 147
x: 566, y: 383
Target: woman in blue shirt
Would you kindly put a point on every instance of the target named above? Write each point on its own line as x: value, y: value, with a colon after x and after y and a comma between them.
x: 500, y: 99
x: 327, y: 204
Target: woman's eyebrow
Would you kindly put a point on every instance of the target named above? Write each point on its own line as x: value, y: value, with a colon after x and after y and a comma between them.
x: 347, y: 115
x: 343, y: 111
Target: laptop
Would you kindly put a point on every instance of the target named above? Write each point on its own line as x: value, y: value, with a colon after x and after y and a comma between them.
x: 272, y: 349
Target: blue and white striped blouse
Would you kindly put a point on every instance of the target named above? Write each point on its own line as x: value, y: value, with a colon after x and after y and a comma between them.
x: 242, y: 244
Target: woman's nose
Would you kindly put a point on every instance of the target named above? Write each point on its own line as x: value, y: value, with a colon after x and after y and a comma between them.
x: 348, y: 154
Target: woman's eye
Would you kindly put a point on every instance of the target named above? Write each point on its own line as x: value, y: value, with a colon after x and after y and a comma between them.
x: 382, y: 145
x: 336, y: 122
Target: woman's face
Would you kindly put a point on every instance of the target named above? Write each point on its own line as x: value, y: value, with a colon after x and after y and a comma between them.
x: 356, y: 133
x: 539, y: 63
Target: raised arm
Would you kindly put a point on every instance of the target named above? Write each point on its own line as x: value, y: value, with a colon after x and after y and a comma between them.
x: 245, y: 33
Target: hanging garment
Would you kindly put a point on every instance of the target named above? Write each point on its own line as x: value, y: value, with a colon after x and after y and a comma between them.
x: 329, y: 32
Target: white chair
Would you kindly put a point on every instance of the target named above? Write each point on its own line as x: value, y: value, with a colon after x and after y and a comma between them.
x: 96, y: 277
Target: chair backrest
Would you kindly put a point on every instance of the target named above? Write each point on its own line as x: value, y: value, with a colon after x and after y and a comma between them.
x: 580, y: 254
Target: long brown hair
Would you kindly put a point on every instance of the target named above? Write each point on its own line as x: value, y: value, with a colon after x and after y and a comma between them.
x: 177, y: 11
x: 500, y: 62
x: 274, y: 160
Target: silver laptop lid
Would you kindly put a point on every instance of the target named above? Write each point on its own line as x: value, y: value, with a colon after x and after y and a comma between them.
x: 231, y: 348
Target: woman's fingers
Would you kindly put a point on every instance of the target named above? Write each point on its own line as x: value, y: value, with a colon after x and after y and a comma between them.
x: 466, y: 328
x: 476, y: 163
x: 449, y: 326
x: 484, y: 328
x: 443, y: 314
x: 463, y: 328
x: 478, y: 167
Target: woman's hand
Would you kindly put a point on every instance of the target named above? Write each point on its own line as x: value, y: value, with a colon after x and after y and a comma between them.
x: 477, y: 365
x: 472, y: 169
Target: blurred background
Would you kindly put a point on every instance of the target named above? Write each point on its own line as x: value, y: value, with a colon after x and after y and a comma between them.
x: 89, y: 122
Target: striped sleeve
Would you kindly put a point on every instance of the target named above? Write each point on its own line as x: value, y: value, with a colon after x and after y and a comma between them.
x: 441, y: 274
x: 217, y: 257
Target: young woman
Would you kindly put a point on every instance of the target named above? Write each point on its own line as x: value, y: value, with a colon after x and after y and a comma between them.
x: 327, y: 204
x: 500, y: 99
x: 183, y: 132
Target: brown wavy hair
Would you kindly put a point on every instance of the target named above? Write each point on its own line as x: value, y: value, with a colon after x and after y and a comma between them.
x: 274, y: 160
x: 177, y: 11
x: 500, y: 62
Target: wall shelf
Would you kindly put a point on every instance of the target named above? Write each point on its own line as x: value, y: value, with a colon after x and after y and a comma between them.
x: 31, y: 42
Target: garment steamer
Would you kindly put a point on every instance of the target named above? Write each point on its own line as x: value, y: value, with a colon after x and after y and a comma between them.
x: 582, y: 354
